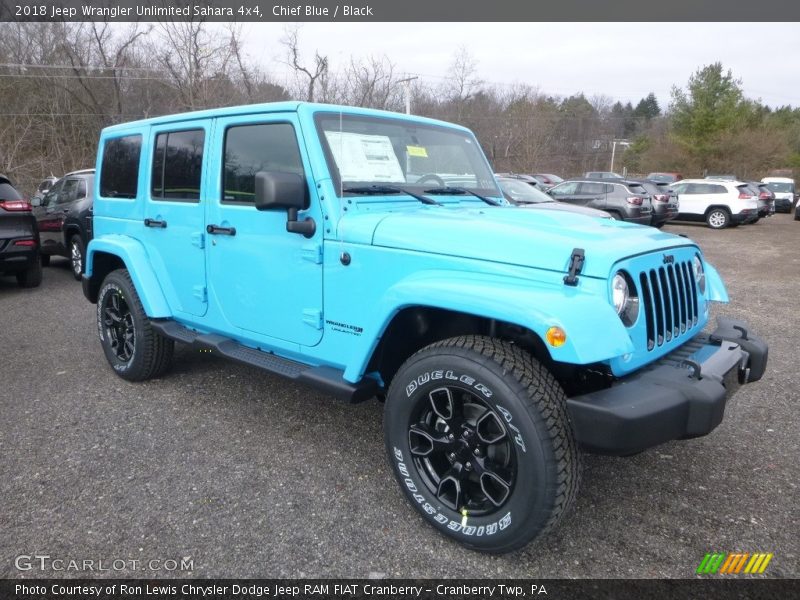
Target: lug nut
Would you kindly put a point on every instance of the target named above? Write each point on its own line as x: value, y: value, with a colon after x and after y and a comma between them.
x: 452, y: 456
x: 468, y: 466
x: 477, y: 451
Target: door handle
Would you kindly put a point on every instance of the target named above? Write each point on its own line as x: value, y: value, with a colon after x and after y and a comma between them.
x: 217, y: 230
x: 155, y: 223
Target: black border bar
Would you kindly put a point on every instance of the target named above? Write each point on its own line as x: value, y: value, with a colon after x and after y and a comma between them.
x: 402, y: 10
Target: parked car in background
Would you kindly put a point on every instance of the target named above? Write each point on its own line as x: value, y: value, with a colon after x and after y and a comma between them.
x: 783, y: 188
x: 717, y: 202
x: 64, y: 219
x: 548, y: 180
x: 765, y: 198
x: 622, y: 199
x: 664, y: 177
x: 663, y: 199
x: 722, y: 177
x: 529, y: 180
x: 521, y: 194
x: 602, y: 175
x: 19, y: 238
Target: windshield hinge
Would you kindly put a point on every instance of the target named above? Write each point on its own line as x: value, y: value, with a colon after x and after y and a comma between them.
x: 575, y: 266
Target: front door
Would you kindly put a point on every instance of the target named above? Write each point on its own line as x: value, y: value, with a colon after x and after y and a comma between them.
x: 174, y: 219
x: 262, y: 278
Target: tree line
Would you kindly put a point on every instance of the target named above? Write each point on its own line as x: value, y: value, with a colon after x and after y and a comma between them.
x: 60, y: 83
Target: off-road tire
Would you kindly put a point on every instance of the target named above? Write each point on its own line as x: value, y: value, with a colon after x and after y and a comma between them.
x: 32, y: 276
x: 151, y: 354
x: 534, y: 417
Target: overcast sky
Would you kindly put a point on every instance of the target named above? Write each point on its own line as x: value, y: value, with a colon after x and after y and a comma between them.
x: 625, y: 61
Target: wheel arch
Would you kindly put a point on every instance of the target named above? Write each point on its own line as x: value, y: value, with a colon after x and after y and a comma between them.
x: 724, y: 207
x: 109, y: 253
x: 463, y: 304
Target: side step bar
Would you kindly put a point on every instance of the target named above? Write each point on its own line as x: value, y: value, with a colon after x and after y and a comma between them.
x: 326, y: 379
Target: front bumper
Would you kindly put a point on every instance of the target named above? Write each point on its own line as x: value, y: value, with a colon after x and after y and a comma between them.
x: 682, y: 395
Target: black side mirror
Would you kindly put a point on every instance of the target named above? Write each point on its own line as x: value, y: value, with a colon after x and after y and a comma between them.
x: 275, y: 189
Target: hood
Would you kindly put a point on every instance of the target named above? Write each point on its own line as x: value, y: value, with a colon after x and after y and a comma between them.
x: 541, y: 239
x: 581, y: 210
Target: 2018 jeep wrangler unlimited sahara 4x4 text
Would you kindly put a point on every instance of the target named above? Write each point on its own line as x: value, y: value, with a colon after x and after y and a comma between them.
x: 372, y: 254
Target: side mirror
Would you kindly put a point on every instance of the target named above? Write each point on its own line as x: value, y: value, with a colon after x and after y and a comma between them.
x: 36, y: 201
x: 275, y: 189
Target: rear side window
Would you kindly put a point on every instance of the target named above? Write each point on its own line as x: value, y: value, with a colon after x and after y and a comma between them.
x: 718, y: 189
x: 638, y: 190
x: 253, y: 148
x: 178, y: 165
x: 119, y: 176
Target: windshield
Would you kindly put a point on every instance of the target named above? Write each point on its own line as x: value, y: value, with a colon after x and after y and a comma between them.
x: 363, y: 151
x: 520, y: 192
x: 780, y: 187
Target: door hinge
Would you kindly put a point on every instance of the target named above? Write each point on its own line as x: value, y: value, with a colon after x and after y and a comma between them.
x: 199, y: 239
x: 313, y: 253
x: 575, y: 266
x: 313, y: 317
x: 199, y: 292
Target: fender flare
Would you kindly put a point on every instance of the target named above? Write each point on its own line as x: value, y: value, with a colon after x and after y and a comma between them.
x: 133, y: 254
x: 594, y: 330
x: 715, y: 287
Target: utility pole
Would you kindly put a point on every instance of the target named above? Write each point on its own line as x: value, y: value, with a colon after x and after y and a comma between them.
x: 614, y: 150
x: 407, y: 91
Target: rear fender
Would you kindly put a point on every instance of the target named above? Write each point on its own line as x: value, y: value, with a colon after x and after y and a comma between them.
x: 133, y: 254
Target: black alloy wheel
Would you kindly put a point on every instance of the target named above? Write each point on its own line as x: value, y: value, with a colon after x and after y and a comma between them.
x: 463, y: 451
x: 119, y: 326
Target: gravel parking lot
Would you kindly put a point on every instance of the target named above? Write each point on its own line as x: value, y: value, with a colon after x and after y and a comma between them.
x: 251, y: 476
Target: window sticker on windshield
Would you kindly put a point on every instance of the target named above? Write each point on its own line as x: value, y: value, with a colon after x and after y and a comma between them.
x: 417, y: 151
x: 362, y: 157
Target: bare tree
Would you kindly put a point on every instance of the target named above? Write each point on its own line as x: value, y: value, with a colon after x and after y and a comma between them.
x: 313, y: 74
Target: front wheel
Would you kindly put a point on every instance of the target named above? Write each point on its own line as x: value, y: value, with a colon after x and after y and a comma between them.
x: 132, y: 347
x: 478, y: 436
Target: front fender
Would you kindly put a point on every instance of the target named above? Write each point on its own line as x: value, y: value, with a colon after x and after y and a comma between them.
x: 715, y: 286
x: 133, y: 254
x: 594, y: 331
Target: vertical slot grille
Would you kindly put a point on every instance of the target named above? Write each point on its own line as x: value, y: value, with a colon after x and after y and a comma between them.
x: 669, y: 299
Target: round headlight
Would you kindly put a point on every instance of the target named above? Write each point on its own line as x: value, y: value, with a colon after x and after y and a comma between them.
x: 699, y: 274
x: 620, y: 292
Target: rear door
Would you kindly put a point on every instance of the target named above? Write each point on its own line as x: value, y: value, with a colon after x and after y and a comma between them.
x: 693, y: 199
x: 592, y: 194
x: 174, y: 212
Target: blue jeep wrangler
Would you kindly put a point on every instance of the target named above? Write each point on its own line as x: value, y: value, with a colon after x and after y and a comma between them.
x: 371, y: 254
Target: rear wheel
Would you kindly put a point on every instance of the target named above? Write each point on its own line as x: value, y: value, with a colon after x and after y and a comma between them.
x: 718, y: 218
x: 32, y: 276
x: 478, y: 436
x: 76, y: 256
x: 132, y: 347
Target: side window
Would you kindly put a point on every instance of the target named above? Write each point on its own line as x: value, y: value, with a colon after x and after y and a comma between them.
x: 695, y: 188
x: 50, y: 197
x: 592, y: 188
x: 253, y: 148
x: 565, y: 189
x: 679, y: 188
x: 81, y: 191
x: 717, y: 189
x: 69, y: 192
x: 178, y: 165
x: 119, y: 176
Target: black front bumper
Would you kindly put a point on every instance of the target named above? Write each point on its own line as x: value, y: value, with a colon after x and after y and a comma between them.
x: 682, y: 395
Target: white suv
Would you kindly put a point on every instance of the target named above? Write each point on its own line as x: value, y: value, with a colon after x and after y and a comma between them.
x: 783, y: 188
x: 718, y: 203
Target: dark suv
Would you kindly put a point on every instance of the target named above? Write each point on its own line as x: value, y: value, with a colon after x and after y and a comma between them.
x: 19, y: 238
x: 624, y: 200
x: 64, y: 219
x: 663, y: 199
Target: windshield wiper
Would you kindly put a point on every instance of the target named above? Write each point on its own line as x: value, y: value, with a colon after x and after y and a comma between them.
x: 457, y: 190
x: 389, y: 189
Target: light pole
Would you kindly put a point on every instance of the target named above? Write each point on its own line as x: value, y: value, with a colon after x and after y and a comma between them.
x: 614, y: 150
x: 407, y: 91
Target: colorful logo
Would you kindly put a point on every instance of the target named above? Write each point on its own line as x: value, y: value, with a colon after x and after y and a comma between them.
x: 734, y: 563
